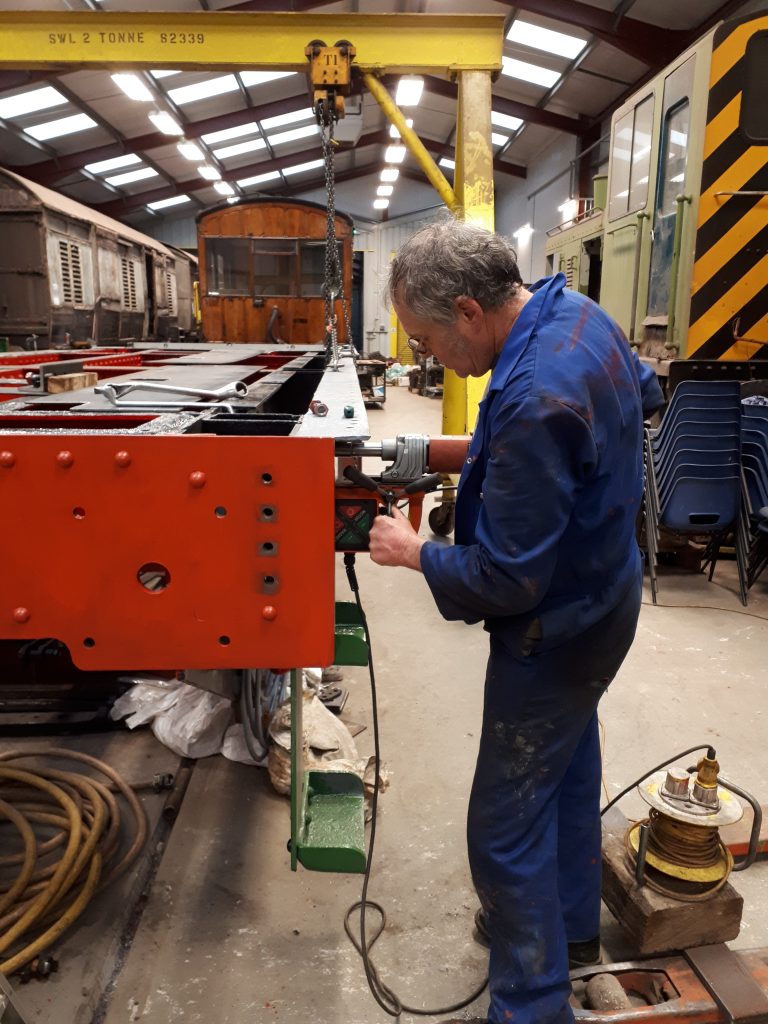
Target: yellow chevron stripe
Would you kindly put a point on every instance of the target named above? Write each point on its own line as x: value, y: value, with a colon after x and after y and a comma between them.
x: 743, y: 349
x: 728, y: 305
x: 732, y: 179
x: 732, y: 49
x: 723, y: 125
x: 729, y: 244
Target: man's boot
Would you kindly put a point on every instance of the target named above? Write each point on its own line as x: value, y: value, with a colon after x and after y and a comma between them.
x: 580, y: 954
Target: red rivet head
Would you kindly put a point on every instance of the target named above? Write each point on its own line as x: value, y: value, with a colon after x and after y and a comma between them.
x: 197, y: 479
x: 269, y: 612
x: 122, y: 459
x: 7, y: 459
x: 21, y: 615
x: 65, y: 459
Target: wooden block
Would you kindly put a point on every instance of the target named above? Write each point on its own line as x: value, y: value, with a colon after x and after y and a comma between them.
x: 71, y: 381
x: 656, y: 923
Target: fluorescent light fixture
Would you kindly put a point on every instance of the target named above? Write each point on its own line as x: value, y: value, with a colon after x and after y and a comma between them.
x: 497, y: 139
x: 28, y: 102
x: 129, y: 176
x: 409, y: 91
x: 538, y: 38
x: 569, y: 209
x: 282, y: 119
x: 529, y: 72
x: 64, y: 126
x: 293, y: 134
x: 394, y: 154
x: 224, y: 188
x: 449, y: 164
x: 380, y: 204
x: 385, y: 190
x: 505, y: 121
x: 191, y: 151
x: 523, y: 234
x: 250, y: 146
x: 133, y: 87
x: 165, y: 123
x: 311, y: 165
x: 390, y: 174
x: 260, y: 77
x: 203, y: 90
x: 208, y: 172
x: 164, y: 74
x: 394, y: 133
x: 677, y: 178
x: 160, y: 204
x: 111, y: 165
x: 231, y: 133
x: 257, y: 179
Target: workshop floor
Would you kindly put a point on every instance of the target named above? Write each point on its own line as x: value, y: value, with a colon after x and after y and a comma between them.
x: 229, y: 935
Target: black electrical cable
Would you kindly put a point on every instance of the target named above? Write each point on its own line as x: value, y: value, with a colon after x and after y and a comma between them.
x: 683, y: 753
x: 387, y: 999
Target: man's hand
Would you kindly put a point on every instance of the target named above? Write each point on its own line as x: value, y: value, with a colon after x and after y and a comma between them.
x: 395, y: 542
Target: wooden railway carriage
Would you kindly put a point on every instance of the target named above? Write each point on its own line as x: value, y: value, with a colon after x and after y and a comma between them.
x: 683, y: 235
x: 66, y: 269
x: 262, y: 271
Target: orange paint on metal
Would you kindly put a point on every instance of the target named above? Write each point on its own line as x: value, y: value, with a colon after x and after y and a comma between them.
x: 101, y: 525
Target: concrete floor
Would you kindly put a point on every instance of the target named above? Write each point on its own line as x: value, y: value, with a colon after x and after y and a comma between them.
x: 230, y: 935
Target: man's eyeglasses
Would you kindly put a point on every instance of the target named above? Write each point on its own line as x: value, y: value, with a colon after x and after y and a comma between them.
x: 417, y: 346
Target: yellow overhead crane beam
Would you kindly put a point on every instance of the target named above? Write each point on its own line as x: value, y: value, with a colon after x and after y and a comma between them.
x: 467, y: 48
x: 219, y: 41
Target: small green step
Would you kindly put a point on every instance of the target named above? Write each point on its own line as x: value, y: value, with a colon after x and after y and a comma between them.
x: 332, y: 836
x: 351, y: 647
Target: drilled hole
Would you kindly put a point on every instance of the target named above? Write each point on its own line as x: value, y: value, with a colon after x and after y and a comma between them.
x: 220, y: 511
x: 224, y: 641
x: 269, y: 581
x: 153, y: 576
x: 267, y: 548
x: 89, y: 642
x: 268, y: 512
x: 266, y: 478
x: 78, y: 513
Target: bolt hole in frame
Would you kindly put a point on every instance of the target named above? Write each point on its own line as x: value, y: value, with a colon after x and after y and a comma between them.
x: 266, y: 479
x: 224, y: 640
x: 154, y: 576
x: 78, y: 512
x: 220, y: 511
x: 89, y: 642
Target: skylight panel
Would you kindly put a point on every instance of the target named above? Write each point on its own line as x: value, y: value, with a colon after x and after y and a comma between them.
x: 282, y: 119
x: 28, y: 102
x: 311, y: 165
x: 260, y: 77
x: 64, y: 126
x: 497, y: 139
x: 505, y: 121
x: 133, y: 87
x: 231, y: 133
x: 239, y: 147
x: 450, y: 165
x: 293, y: 134
x: 129, y: 176
x: 538, y: 38
x: 529, y: 72
x: 164, y: 73
x: 203, y: 90
x: 257, y: 179
x: 160, y: 204
x: 111, y: 165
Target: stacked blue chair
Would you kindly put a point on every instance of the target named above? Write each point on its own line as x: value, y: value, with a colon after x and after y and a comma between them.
x: 693, y: 481
x: 754, y: 465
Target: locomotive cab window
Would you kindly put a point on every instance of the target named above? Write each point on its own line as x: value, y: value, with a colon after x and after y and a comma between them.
x: 753, y: 119
x: 674, y: 151
x: 631, y: 160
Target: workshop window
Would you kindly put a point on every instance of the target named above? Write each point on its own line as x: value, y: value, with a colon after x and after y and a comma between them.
x: 631, y: 160
x: 274, y: 266
x: 312, y: 255
x: 753, y: 119
x: 227, y: 264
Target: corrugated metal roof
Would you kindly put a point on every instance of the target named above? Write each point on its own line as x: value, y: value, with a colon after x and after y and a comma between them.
x: 70, y: 207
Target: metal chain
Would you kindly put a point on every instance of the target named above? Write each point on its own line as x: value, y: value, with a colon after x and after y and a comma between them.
x: 333, y: 287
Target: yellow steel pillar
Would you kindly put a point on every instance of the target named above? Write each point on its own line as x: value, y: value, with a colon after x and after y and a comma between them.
x: 473, y: 185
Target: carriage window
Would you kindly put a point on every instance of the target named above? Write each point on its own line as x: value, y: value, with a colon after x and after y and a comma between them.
x: 674, y: 150
x: 313, y: 267
x: 274, y: 266
x: 753, y: 120
x: 631, y: 160
x: 227, y: 266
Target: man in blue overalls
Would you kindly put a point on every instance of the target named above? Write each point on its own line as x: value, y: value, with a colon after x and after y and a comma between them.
x: 546, y: 557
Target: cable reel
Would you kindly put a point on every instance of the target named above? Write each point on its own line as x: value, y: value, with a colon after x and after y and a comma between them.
x: 677, y: 849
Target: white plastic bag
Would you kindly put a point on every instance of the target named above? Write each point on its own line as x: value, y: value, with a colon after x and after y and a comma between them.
x: 196, y: 723
x: 145, y: 699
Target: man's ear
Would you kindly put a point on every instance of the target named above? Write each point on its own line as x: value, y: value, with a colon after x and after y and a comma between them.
x: 467, y: 309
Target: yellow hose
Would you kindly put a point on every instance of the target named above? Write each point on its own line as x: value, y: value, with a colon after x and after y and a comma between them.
x: 45, y: 887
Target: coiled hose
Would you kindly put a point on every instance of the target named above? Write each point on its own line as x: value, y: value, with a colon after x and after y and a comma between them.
x: 70, y: 829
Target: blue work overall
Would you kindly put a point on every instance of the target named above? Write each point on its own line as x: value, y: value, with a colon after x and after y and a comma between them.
x: 546, y: 556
